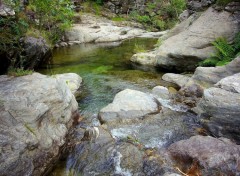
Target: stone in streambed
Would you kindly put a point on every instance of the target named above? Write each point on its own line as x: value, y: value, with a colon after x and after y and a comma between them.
x: 129, y: 104
x: 212, y: 156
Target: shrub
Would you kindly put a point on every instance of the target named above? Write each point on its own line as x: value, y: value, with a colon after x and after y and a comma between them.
x: 225, y: 52
x: 160, y: 14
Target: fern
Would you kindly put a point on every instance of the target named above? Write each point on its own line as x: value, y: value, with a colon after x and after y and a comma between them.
x: 225, y: 52
x: 224, y: 49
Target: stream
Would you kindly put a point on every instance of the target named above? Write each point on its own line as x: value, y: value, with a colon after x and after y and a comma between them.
x: 106, y: 70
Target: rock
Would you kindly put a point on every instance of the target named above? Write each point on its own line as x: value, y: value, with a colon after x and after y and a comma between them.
x: 189, y: 95
x: 161, y: 92
x: 210, y: 156
x: 178, y: 79
x: 36, y: 51
x: 155, y: 131
x: 6, y: 11
x: 230, y: 83
x: 104, y: 157
x: 129, y: 104
x: 144, y: 59
x: 208, y: 76
x: 72, y: 80
x: 185, y: 50
x: 99, y: 29
x: 36, y: 113
x: 198, y: 5
x: 184, y: 15
x: 219, y: 110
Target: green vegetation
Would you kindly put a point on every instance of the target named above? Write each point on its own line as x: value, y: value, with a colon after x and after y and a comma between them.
x: 139, y: 48
x: 118, y: 18
x: 18, y: 72
x: 37, y: 18
x: 160, y: 14
x: 92, y: 7
x: 225, y: 52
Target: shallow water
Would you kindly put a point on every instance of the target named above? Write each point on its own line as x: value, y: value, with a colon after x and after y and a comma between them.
x: 106, y: 70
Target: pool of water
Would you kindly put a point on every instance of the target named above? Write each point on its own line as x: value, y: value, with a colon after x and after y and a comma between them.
x: 105, y: 68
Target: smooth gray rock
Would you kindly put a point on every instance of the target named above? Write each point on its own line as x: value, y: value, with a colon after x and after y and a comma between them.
x: 36, y: 113
x: 161, y: 92
x: 230, y: 83
x: 72, y: 80
x: 148, y: 59
x: 178, y: 79
x: 220, y: 112
x: 185, y: 50
x: 211, y: 155
x: 208, y: 76
x: 129, y: 104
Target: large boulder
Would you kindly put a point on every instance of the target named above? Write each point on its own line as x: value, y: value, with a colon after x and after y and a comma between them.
x: 129, y: 104
x: 220, y: 110
x: 36, y: 113
x: 205, y: 155
x: 183, y: 51
x: 36, y: 51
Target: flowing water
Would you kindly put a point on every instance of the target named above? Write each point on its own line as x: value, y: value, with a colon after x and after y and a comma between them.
x: 106, y: 69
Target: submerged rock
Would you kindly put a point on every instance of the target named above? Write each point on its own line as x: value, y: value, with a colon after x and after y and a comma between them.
x: 36, y: 113
x: 205, y: 155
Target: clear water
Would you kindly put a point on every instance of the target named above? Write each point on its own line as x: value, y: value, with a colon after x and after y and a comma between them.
x: 106, y: 69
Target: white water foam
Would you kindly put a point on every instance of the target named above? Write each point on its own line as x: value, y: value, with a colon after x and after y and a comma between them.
x: 117, y: 164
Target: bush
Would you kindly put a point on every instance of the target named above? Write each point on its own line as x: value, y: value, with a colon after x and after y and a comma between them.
x: 225, y: 52
x: 49, y: 17
x: 160, y: 14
